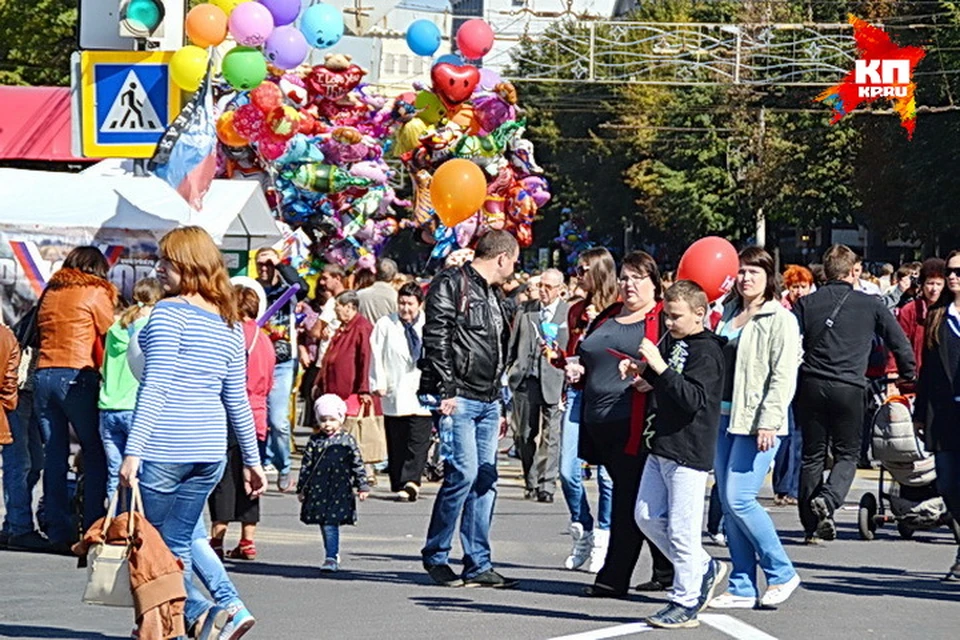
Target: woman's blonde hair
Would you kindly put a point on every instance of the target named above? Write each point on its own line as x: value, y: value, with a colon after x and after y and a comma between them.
x: 192, y: 251
x: 146, y: 293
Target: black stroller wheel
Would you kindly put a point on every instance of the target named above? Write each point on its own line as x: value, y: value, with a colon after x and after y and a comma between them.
x: 906, y: 531
x: 865, y: 516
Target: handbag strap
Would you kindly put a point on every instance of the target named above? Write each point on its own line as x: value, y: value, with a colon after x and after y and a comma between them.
x: 136, y: 506
x: 828, y: 324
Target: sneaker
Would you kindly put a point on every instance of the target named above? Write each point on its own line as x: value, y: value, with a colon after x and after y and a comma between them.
x: 674, y: 616
x: 330, y: 565
x: 241, y: 621
x: 826, y: 527
x: 284, y: 485
x: 653, y: 585
x: 953, y: 575
x: 492, y: 580
x: 269, y: 468
x: 444, y: 576
x: 812, y: 540
x: 718, y: 539
x: 730, y: 601
x: 543, y: 496
x: 598, y: 590
x: 582, y: 546
x: 33, y: 541
x: 778, y: 594
x: 715, y: 573
x: 411, y: 490
x: 529, y: 494
x: 598, y: 554
x: 213, y: 622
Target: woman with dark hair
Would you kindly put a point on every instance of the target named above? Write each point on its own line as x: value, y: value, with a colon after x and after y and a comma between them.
x: 597, y: 277
x: 913, y: 315
x: 762, y: 356
x: 75, y: 313
x: 614, y: 414
x: 937, y: 414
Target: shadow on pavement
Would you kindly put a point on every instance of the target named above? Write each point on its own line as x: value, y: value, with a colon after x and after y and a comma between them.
x: 26, y: 631
x: 889, y: 582
x: 464, y: 605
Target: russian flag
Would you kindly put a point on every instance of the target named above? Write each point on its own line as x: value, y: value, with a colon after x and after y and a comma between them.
x: 186, y: 156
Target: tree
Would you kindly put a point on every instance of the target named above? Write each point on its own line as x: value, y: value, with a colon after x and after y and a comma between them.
x: 36, y: 40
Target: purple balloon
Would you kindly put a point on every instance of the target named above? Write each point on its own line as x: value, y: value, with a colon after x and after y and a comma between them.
x: 286, y: 47
x: 250, y: 24
x: 489, y: 79
x: 283, y: 11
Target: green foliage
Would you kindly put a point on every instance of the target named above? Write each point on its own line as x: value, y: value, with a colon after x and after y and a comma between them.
x: 36, y: 40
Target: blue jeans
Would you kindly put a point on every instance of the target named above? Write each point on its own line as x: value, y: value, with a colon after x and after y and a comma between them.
x: 751, y: 535
x: 948, y: 482
x: 788, y: 461
x: 174, y: 496
x: 469, y: 448
x: 331, y: 540
x: 22, y: 463
x: 571, y: 478
x: 210, y: 570
x: 278, y: 417
x: 64, y: 398
x: 114, y: 429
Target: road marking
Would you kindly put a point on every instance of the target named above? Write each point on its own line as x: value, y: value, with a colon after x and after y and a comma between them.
x: 721, y: 622
x: 733, y: 627
x: 609, y: 632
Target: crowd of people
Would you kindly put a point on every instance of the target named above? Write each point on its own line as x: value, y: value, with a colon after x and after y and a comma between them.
x: 186, y: 395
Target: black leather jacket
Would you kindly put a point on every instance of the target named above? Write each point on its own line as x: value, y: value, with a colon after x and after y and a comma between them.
x: 462, y: 351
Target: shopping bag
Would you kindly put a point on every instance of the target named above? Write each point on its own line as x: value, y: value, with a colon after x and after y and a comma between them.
x: 108, y: 564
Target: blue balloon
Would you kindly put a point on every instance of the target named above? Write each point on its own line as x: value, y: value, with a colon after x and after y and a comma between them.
x: 322, y: 25
x: 423, y: 38
x: 450, y: 58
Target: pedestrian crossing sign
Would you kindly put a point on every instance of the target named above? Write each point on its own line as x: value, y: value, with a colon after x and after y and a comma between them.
x: 127, y: 101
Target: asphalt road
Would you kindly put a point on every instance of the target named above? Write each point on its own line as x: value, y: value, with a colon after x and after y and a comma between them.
x: 887, y: 588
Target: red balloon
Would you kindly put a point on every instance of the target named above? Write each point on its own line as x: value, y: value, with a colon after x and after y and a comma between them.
x: 267, y: 97
x: 712, y: 263
x: 474, y: 39
x: 249, y: 122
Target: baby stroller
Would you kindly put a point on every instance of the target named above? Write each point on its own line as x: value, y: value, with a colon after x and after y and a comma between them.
x: 910, y: 500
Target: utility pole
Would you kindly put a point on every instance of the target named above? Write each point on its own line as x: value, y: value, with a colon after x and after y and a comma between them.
x: 761, y: 218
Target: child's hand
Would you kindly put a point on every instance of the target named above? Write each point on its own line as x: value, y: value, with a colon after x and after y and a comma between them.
x: 363, y: 495
x: 300, y: 497
x: 650, y: 353
x: 628, y: 369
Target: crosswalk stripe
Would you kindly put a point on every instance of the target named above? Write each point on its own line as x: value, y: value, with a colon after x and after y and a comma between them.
x: 733, y: 627
x: 609, y: 632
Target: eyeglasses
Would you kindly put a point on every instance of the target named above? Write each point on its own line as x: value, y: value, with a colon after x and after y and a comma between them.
x: 264, y: 264
x: 953, y: 271
x: 582, y: 270
x: 632, y: 278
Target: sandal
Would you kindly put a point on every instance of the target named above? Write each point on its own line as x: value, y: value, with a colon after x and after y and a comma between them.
x: 246, y: 550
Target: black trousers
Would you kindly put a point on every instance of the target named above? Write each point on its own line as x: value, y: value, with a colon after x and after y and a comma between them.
x: 408, y: 440
x: 626, y: 540
x: 829, y: 413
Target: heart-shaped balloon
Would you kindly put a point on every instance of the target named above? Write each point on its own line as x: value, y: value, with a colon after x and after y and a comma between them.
x: 454, y: 83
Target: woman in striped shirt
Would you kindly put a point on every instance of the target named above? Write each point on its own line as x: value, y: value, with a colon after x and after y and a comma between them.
x: 194, y: 380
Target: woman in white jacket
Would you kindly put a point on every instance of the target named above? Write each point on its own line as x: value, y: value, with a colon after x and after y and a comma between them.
x: 397, y: 342
x: 762, y: 356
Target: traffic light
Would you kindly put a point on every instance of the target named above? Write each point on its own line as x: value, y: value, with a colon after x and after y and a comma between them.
x: 142, y: 19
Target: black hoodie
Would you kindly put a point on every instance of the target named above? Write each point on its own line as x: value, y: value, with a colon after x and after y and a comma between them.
x: 686, y: 411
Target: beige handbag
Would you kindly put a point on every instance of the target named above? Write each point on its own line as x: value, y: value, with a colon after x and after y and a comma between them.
x: 369, y: 432
x: 108, y: 565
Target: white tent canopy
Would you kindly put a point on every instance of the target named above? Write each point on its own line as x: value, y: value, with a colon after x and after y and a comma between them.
x: 108, y: 196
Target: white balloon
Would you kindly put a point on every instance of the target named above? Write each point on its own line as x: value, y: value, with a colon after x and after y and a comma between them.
x: 250, y: 283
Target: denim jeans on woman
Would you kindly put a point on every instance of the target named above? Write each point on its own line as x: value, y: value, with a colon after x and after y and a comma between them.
x: 22, y: 464
x: 174, y: 496
x: 468, y: 443
x: 64, y: 398
x: 210, y: 569
x: 751, y: 536
x: 571, y: 472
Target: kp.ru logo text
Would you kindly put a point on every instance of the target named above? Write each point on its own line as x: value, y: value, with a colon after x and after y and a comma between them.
x: 882, y: 78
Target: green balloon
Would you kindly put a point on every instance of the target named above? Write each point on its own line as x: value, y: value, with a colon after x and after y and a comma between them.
x: 430, y: 108
x: 244, y: 68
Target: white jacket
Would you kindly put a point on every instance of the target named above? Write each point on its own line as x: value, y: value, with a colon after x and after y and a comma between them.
x: 393, y: 372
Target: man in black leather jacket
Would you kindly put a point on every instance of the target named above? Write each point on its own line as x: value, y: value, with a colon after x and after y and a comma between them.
x: 465, y: 341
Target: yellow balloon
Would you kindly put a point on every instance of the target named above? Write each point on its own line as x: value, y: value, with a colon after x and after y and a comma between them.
x: 408, y: 138
x: 227, y: 5
x: 188, y: 66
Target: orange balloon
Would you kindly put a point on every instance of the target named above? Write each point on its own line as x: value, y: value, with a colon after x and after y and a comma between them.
x: 458, y: 190
x: 206, y: 25
x: 228, y: 133
x: 465, y: 117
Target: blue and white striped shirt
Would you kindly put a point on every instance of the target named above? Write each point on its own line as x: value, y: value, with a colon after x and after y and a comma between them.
x: 195, y: 377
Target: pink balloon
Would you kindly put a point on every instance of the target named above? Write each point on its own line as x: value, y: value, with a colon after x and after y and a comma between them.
x: 489, y: 79
x: 474, y: 39
x: 272, y: 149
x: 251, y: 24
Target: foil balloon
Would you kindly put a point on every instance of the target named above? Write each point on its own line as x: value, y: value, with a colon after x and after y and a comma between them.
x: 283, y: 123
x: 249, y: 122
x: 227, y: 132
x: 323, y: 178
x: 455, y: 84
x: 267, y: 97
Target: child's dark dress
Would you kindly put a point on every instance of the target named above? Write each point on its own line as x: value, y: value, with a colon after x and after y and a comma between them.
x: 332, y: 468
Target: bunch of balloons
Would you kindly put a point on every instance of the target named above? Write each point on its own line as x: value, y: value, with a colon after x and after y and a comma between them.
x: 462, y: 141
x: 573, y: 237
x: 264, y: 33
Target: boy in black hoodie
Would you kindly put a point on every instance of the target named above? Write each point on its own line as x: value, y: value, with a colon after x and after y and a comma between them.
x: 687, y: 381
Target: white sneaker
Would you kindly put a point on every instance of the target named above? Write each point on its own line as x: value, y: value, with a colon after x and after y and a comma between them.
x: 269, y: 469
x: 718, y: 539
x: 331, y: 565
x: 730, y: 601
x: 582, y: 544
x: 778, y: 594
x: 598, y: 554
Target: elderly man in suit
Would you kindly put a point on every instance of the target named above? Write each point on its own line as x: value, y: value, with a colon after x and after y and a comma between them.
x: 537, y: 385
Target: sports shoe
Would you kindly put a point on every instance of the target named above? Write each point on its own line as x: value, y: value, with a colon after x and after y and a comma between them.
x: 241, y: 621
x: 269, y: 468
x: 491, y: 580
x: 826, y: 527
x: 777, y: 594
x: 331, y: 565
x: 411, y: 490
x: 214, y: 620
x: 718, y: 539
x: 653, y: 585
x: 730, y: 601
x: 953, y: 575
x: 582, y: 546
x: 715, y: 573
x: 674, y: 616
x: 444, y: 576
x: 598, y: 553
x: 284, y: 484
x: 30, y: 541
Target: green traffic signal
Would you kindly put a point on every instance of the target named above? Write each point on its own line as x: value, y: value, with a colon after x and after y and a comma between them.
x: 143, y: 16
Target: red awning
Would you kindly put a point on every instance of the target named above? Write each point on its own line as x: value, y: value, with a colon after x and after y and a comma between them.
x: 35, y: 124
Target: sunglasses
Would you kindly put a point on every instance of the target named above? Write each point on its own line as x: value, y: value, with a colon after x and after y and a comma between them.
x: 953, y: 271
x: 264, y: 264
x: 582, y: 270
